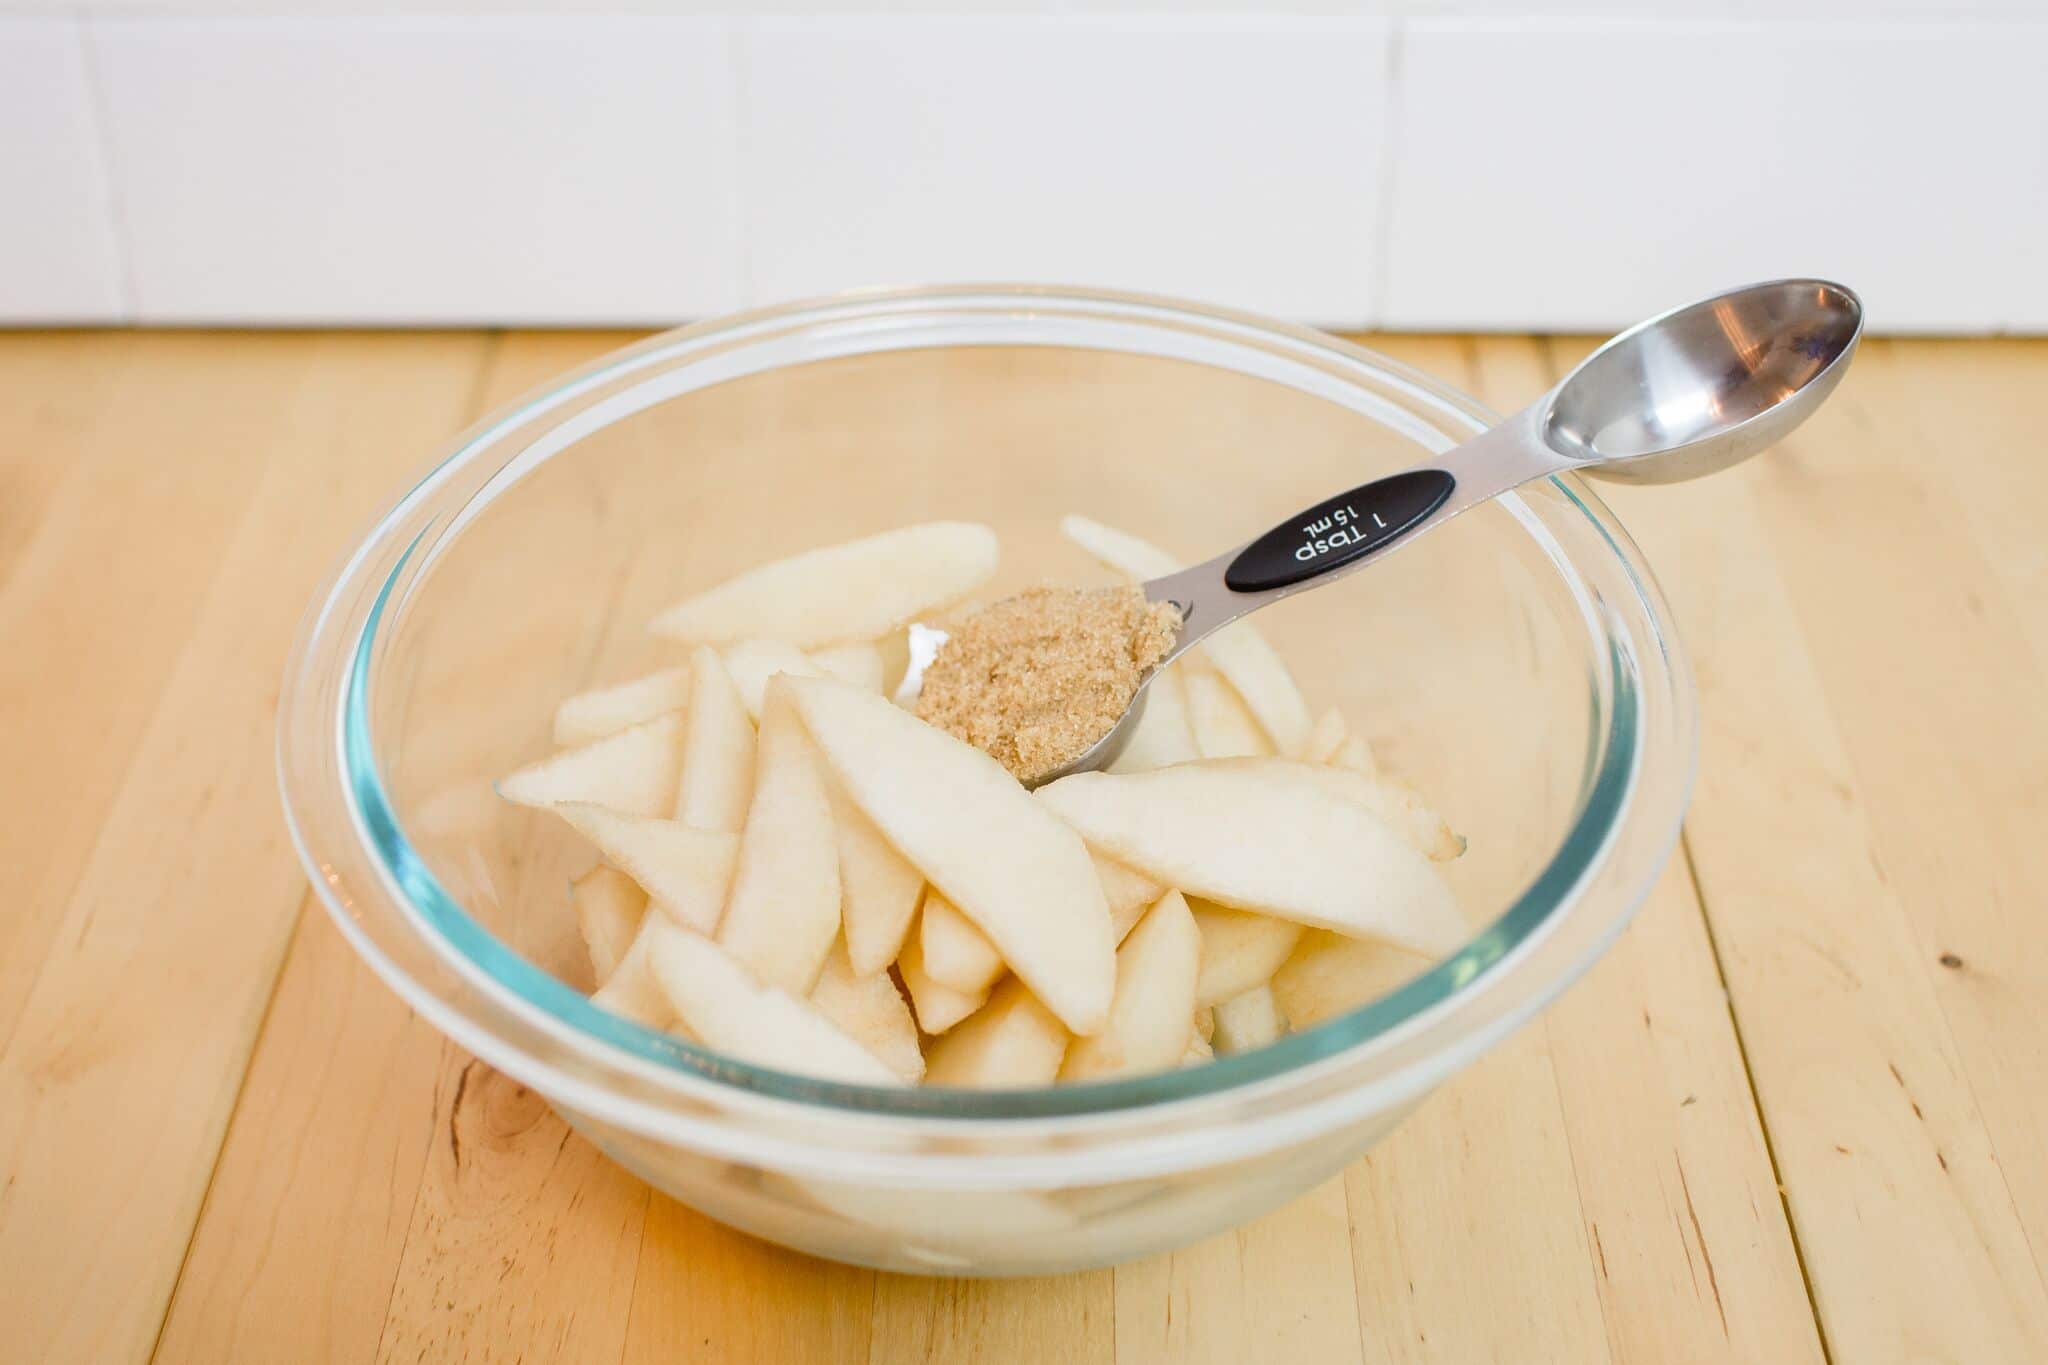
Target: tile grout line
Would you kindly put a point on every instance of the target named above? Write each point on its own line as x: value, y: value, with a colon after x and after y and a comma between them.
x: 84, y: 27
x: 1382, y: 268
x: 1756, y: 1103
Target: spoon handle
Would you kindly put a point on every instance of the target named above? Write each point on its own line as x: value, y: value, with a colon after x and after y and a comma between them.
x: 1340, y: 533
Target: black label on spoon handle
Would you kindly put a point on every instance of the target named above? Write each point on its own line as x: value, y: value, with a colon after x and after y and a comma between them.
x: 1339, y: 530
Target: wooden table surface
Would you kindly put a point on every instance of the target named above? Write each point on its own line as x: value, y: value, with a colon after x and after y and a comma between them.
x: 1800, y: 1112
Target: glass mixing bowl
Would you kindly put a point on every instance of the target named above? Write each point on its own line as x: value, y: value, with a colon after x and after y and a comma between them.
x: 1518, y: 666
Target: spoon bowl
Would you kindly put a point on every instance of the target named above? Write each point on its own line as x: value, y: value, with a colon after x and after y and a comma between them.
x: 1705, y: 386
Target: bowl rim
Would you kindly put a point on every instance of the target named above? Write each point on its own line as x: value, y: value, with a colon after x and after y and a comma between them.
x: 1615, y: 771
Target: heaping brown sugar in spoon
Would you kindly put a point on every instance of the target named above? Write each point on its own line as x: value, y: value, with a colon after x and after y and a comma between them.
x: 1035, y: 679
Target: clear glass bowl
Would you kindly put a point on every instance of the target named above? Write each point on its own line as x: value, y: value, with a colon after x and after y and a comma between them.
x: 1519, y: 666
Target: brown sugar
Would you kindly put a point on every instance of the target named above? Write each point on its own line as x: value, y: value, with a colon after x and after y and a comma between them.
x: 1034, y: 679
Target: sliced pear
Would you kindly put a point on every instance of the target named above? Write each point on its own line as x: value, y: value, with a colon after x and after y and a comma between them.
x: 1328, y: 736
x: 1153, y: 1013
x: 859, y: 664
x: 1356, y: 754
x: 718, y: 754
x: 1120, y: 551
x: 956, y: 953
x: 722, y: 1004
x: 938, y: 1007
x: 1248, y: 1021
x: 1164, y: 735
x: 1240, y: 950
x: 871, y: 1011
x: 1252, y: 841
x: 633, y: 771
x: 1010, y: 1043
x: 607, y: 710
x: 609, y: 906
x: 751, y: 663
x: 783, y: 914
x: 1022, y: 877
x: 684, y: 871
x: 855, y: 591
x: 1330, y: 975
x: 1238, y: 651
x: 1205, y: 1017
x: 1223, y: 727
x: 878, y: 888
x: 1385, y: 795
x: 631, y: 992
x: 1129, y: 893
x: 1198, y: 1051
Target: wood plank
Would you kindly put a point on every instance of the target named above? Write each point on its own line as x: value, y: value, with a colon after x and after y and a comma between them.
x: 116, y: 1085
x: 513, y: 1252
x: 1512, y: 1274
x: 113, y: 442
x: 1694, y: 1255
x: 1277, y: 1289
x: 1939, y: 699
x: 1070, y: 1318
x: 1860, y: 1082
x: 705, y: 1293
x: 1973, y: 413
x: 299, y: 1245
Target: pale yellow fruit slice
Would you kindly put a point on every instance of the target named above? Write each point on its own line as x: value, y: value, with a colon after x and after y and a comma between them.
x: 1240, y: 950
x: 1205, y: 1017
x: 607, y: 710
x: 1021, y: 876
x: 862, y: 664
x: 1328, y: 736
x: 1248, y: 1021
x: 684, y: 871
x: 783, y: 914
x: 956, y: 953
x: 1198, y: 1052
x: 1251, y: 841
x: 633, y: 771
x: 609, y: 906
x: 871, y: 1011
x: 751, y: 663
x: 1129, y: 893
x: 1164, y: 735
x: 1223, y: 727
x: 878, y: 888
x: 718, y: 752
x: 1356, y: 754
x: 1154, y: 1009
x: 855, y: 591
x: 1011, y: 1043
x: 631, y: 991
x: 1330, y: 974
x: 938, y: 1007
x: 1238, y: 651
x: 724, y: 1006
x: 1385, y: 795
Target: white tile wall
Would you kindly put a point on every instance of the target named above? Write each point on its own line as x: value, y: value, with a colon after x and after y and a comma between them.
x: 58, y: 257
x: 1617, y: 170
x: 1231, y: 160
x: 1416, y: 171
x: 518, y: 169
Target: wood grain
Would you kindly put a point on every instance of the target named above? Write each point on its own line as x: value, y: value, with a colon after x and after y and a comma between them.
x: 1691, y: 1246
x: 325, y: 1169
x: 1835, y: 990
x: 1862, y: 1086
x: 118, y: 1080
